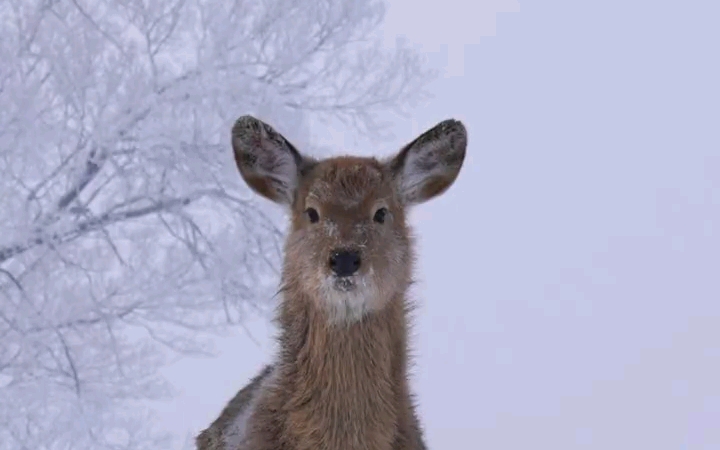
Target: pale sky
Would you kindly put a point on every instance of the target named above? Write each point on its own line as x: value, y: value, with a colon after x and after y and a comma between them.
x: 569, y: 287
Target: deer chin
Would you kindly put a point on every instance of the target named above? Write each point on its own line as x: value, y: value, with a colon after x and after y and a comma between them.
x: 348, y: 299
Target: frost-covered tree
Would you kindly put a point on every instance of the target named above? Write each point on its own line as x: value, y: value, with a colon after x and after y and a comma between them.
x: 124, y: 228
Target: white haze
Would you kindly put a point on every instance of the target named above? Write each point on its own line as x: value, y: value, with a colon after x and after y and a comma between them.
x: 568, y: 282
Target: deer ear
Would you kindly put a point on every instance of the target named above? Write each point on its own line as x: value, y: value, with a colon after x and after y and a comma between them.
x: 268, y: 163
x: 429, y: 165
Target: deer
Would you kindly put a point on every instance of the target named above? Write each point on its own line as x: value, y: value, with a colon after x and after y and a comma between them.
x: 340, y: 378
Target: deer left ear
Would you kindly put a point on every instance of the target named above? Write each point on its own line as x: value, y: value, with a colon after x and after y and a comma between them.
x: 429, y: 165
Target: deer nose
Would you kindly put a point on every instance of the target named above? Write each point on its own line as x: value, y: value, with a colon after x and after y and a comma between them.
x: 344, y: 262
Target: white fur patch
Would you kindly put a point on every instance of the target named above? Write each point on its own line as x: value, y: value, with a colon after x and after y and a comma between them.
x: 236, y: 433
x: 348, y: 306
x: 331, y: 228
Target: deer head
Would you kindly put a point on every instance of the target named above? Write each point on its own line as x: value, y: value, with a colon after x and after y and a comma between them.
x: 349, y: 247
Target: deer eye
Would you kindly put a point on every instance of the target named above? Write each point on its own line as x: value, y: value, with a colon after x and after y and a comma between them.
x: 380, y: 214
x: 312, y: 215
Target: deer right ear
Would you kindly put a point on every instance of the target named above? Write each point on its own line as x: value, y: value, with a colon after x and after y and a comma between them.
x: 268, y: 163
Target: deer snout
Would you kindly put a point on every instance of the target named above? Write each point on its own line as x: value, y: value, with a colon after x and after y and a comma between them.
x: 344, y: 262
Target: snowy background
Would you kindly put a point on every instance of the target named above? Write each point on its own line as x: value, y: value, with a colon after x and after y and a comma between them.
x: 569, y: 281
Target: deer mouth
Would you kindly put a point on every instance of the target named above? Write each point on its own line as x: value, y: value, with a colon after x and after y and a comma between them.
x: 345, y: 284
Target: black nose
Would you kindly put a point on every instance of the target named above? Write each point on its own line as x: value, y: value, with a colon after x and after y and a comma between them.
x: 344, y: 262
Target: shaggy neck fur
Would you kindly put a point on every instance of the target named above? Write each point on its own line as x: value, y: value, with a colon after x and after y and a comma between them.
x: 338, y: 386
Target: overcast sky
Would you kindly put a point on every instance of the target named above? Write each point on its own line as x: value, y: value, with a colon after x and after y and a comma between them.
x: 569, y: 281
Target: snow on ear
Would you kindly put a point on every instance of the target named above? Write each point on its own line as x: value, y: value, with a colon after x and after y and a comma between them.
x: 427, y: 166
x: 268, y: 163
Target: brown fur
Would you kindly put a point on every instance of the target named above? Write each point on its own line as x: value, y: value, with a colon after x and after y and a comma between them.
x: 340, y: 381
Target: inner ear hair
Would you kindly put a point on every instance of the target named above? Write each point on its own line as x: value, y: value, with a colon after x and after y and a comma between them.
x: 429, y: 165
x: 268, y: 162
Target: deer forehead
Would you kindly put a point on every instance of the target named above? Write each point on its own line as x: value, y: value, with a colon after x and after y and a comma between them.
x: 346, y: 183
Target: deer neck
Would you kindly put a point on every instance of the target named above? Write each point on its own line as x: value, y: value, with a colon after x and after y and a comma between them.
x: 345, y: 383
